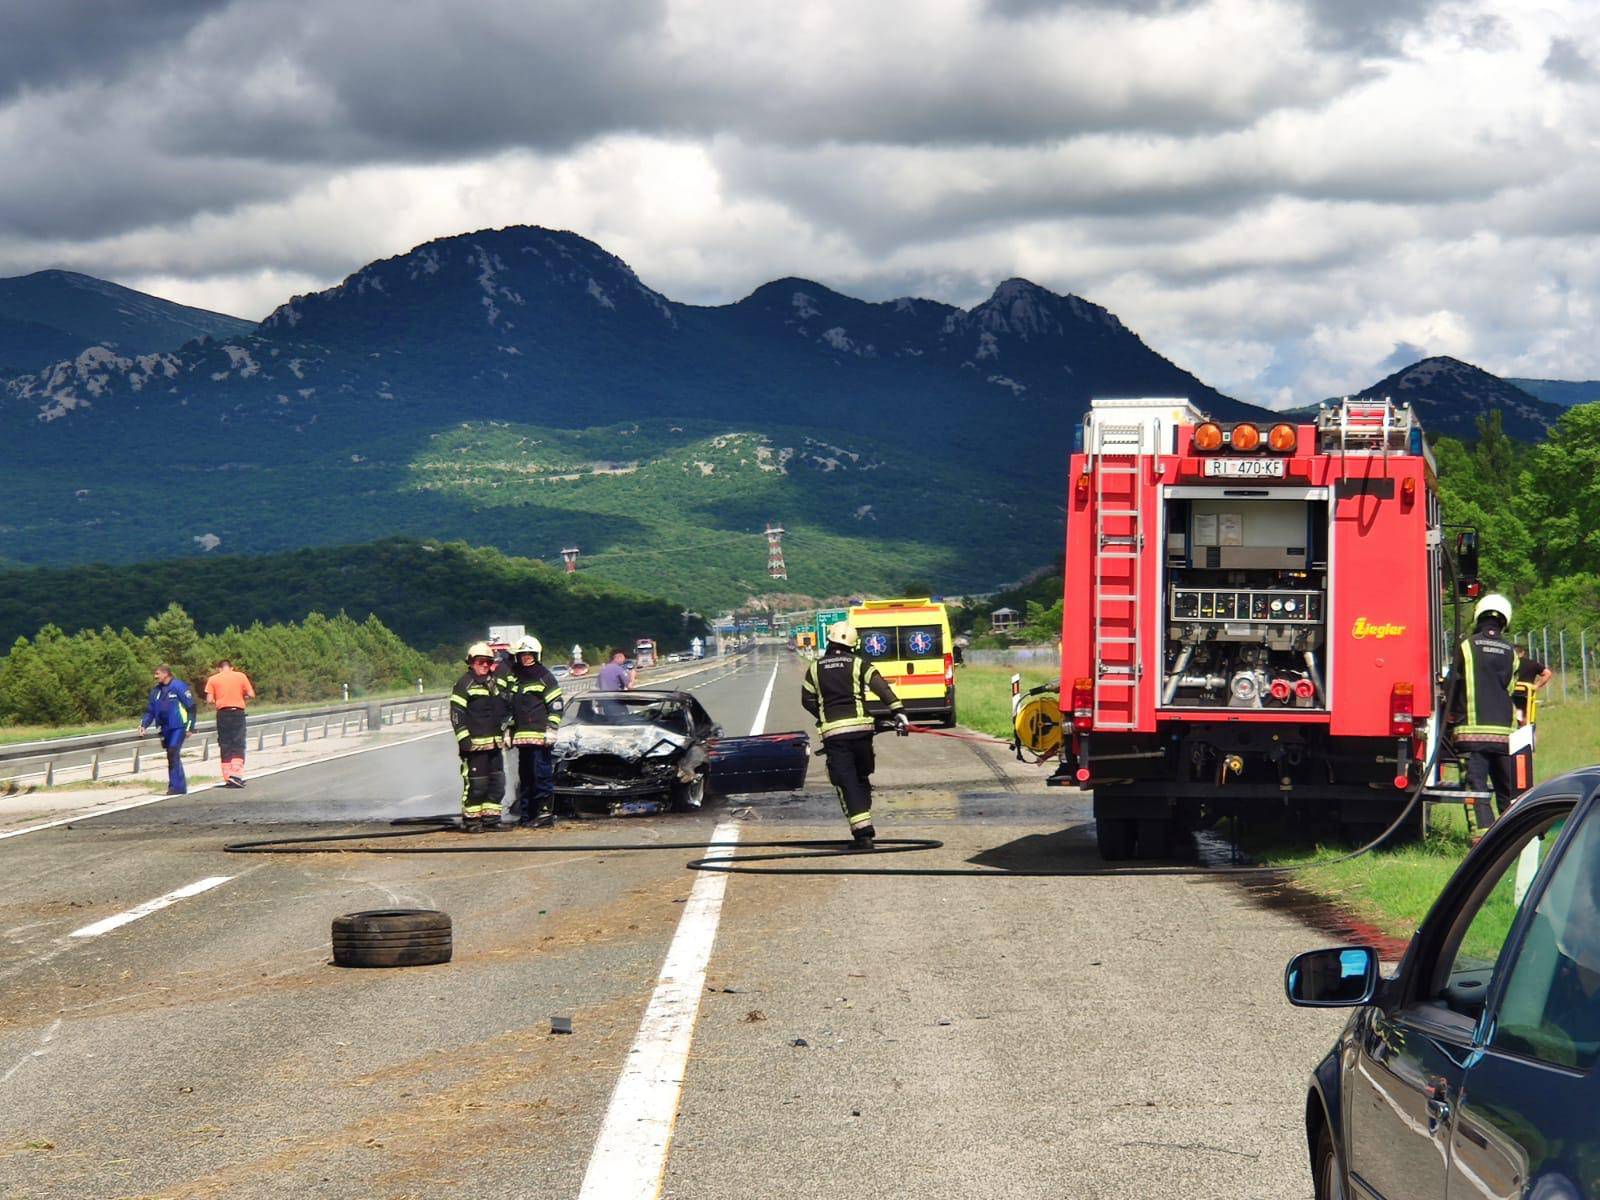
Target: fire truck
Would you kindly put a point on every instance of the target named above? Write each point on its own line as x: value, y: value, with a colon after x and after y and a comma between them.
x: 1253, y: 620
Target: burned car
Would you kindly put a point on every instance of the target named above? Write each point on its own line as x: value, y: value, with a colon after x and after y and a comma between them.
x: 652, y: 751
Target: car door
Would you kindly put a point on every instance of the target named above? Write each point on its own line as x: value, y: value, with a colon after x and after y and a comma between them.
x: 768, y: 762
x: 1411, y: 1056
x: 1525, y: 1124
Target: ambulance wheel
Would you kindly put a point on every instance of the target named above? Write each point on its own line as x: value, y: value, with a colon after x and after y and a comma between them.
x: 1155, y: 837
x: 1116, y: 837
x: 392, y: 937
x: 948, y: 720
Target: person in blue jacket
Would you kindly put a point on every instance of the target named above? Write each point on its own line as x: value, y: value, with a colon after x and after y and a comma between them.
x: 171, y: 712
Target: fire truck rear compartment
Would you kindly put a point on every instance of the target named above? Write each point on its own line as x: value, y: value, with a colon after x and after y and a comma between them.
x: 1245, y: 602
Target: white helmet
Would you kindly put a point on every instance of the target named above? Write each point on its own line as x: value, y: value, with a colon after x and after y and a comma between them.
x: 842, y: 633
x: 1494, y: 602
x: 528, y: 644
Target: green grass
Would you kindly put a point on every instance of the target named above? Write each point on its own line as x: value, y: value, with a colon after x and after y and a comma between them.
x: 1390, y: 889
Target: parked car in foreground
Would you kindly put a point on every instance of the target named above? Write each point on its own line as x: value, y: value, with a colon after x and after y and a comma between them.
x: 653, y: 750
x: 1470, y: 1071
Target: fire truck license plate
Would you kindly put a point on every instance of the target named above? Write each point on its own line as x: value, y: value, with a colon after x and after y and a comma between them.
x: 1244, y: 468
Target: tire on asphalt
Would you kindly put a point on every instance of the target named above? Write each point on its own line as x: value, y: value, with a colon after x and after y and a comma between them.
x: 1325, y: 1174
x: 1115, y: 837
x: 948, y: 718
x: 392, y: 937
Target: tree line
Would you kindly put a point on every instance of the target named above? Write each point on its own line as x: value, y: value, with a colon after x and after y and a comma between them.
x: 56, y: 678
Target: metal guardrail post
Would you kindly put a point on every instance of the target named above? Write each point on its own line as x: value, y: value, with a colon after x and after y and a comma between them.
x: 94, y: 769
x: 283, y: 732
x: 205, y: 750
x: 50, y: 773
x: 137, y: 752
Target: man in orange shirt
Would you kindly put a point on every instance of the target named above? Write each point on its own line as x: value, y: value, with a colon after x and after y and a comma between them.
x: 227, y: 691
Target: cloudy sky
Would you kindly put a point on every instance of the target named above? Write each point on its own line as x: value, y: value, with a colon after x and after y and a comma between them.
x: 1289, y: 197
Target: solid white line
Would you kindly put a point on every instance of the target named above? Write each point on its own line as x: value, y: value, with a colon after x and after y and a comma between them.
x: 209, y: 787
x: 150, y: 906
x: 630, y: 1155
x: 760, y: 722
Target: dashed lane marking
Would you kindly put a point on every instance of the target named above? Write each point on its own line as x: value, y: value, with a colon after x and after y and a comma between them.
x: 150, y: 906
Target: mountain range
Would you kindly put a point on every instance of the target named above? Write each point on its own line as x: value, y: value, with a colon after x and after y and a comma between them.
x: 49, y: 316
x: 523, y: 388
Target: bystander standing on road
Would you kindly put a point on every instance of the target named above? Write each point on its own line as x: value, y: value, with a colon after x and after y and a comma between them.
x: 228, y: 691
x: 171, y: 711
x: 615, y: 675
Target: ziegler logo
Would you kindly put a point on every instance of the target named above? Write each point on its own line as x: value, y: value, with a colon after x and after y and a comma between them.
x: 1364, y: 628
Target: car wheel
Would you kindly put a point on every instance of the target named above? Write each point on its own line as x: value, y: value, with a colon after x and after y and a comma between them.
x: 686, y: 797
x: 949, y: 718
x: 392, y: 937
x: 1325, y: 1168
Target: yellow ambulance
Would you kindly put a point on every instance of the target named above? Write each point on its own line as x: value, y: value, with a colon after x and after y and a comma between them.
x: 909, y: 642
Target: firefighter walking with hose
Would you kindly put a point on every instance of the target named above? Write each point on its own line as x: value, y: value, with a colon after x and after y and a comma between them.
x: 835, y: 692
x: 534, y: 696
x: 478, y: 715
x: 1483, y: 714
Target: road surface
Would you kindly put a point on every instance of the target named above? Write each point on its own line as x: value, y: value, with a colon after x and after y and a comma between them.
x: 872, y: 1037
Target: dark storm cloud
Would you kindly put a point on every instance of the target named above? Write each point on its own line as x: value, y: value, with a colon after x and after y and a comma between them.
x: 50, y: 43
x: 1566, y: 60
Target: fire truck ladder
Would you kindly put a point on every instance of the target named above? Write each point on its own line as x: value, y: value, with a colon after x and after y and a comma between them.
x: 1366, y: 427
x: 1119, y: 535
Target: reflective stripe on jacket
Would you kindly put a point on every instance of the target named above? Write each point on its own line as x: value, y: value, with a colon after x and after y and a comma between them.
x: 534, y: 695
x: 171, y: 707
x: 1487, y: 667
x: 478, y: 712
x: 835, y: 692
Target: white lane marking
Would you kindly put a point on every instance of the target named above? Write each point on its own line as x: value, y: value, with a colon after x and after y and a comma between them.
x: 630, y: 1155
x: 150, y: 906
x: 760, y: 722
x: 208, y: 787
x: 44, y: 1048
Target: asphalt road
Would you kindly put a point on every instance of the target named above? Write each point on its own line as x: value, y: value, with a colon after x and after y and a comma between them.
x: 1015, y: 1037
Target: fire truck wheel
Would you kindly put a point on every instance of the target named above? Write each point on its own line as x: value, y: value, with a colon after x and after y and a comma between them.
x: 1115, y: 837
x: 392, y: 937
x: 1155, y: 838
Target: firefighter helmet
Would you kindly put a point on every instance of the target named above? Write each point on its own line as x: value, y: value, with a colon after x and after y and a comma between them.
x: 842, y: 633
x: 528, y: 644
x: 1495, y: 603
x: 479, y: 650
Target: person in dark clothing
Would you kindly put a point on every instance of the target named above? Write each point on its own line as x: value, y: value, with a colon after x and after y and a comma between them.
x: 478, y: 714
x: 1482, y: 714
x: 534, y: 695
x: 835, y: 692
x: 171, y: 711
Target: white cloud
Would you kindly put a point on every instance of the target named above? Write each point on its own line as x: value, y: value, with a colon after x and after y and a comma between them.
x: 1275, y: 193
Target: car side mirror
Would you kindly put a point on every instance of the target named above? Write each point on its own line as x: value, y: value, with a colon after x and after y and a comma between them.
x: 1467, y: 562
x: 1344, y: 977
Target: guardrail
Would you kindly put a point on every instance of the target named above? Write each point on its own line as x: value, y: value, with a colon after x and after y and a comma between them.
x: 94, y: 757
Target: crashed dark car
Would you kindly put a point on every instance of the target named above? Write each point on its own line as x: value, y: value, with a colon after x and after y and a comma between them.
x: 653, y: 751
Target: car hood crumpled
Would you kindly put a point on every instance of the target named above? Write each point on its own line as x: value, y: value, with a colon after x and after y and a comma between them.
x: 627, y: 741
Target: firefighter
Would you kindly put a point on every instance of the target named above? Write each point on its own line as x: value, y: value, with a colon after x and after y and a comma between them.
x: 1486, y: 670
x: 478, y: 714
x: 835, y: 693
x: 534, y: 696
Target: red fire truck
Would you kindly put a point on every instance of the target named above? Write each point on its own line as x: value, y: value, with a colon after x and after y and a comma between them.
x: 1253, y: 618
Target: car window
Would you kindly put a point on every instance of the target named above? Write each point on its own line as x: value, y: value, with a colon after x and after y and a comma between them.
x: 1550, y: 1009
x: 1477, y: 936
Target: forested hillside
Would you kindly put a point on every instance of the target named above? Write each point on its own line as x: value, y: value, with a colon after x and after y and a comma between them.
x: 433, y: 595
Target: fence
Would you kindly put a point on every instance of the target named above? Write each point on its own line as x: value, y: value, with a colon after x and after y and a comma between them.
x: 103, y: 756
x: 1573, y: 655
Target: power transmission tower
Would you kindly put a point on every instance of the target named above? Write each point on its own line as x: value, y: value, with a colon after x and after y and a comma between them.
x: 775, y: 567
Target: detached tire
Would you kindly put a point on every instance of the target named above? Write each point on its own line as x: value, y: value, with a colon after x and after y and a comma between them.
x: 392, y: 937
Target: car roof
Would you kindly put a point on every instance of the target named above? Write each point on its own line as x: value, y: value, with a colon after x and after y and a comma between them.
x: 635, y: 694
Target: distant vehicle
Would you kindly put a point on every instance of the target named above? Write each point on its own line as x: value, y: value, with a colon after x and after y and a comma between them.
x: 1471, y: 1071
x: 559, y: 671
x: 644, y: 654
x: 676, y: 658
x: 909, y: 642
x: 651, y: 751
